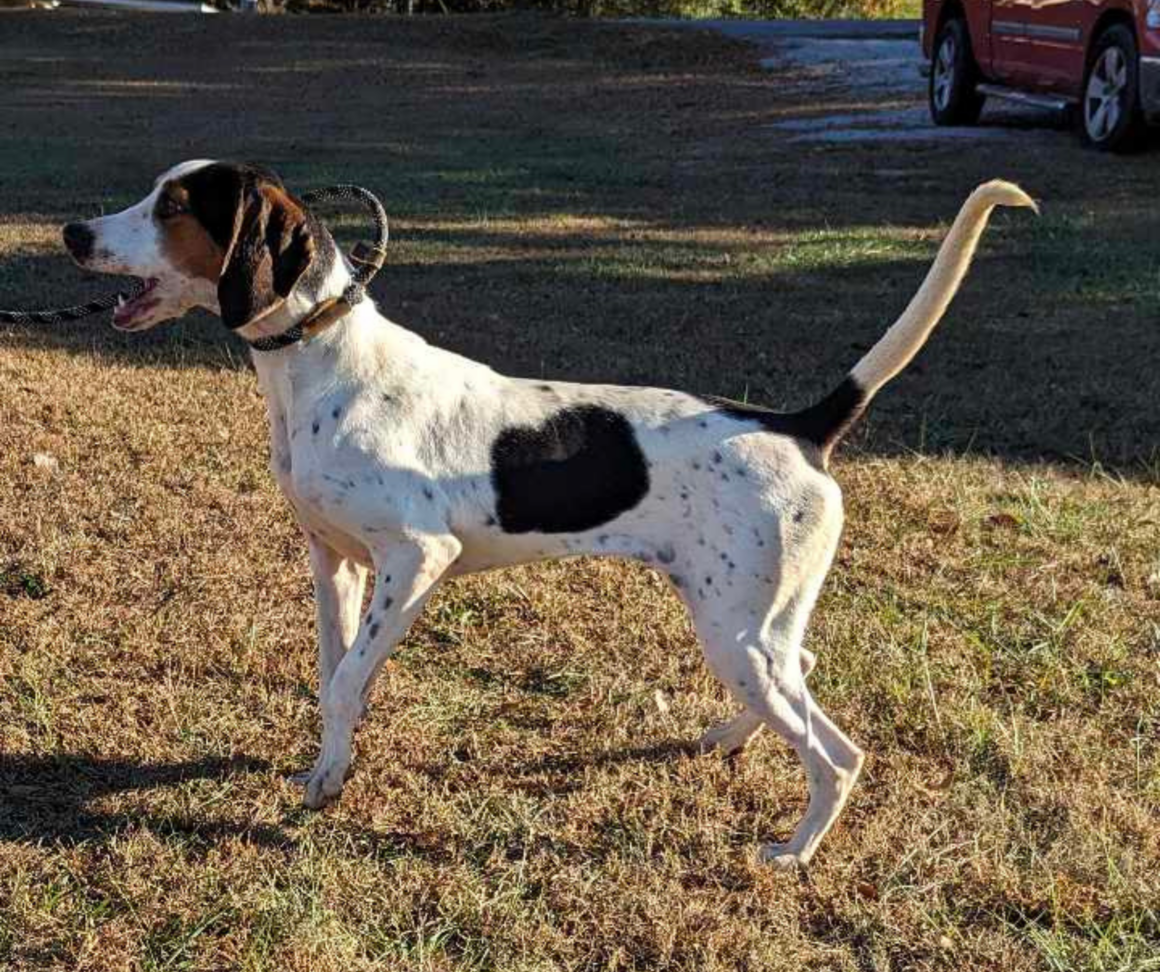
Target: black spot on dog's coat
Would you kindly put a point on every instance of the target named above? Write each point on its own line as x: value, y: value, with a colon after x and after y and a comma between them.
x: 582, y: 467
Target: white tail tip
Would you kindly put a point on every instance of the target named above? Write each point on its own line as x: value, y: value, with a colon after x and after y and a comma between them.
x: 1000, y: 193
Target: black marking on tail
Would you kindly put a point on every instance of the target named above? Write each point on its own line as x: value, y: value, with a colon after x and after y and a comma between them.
x: 821, y: 425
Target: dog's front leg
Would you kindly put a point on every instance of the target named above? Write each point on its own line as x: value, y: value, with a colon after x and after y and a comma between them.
x: 338, y: 592
x: 407, y: 571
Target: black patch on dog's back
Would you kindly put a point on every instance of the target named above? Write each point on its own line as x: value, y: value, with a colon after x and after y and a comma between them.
x: 582, y: 467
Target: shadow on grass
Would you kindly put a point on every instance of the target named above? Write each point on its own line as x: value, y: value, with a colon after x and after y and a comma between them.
x: 560, y: 775
x: 666, y: 751
x: 1049, y: 352
x: 46, y: 798
x: 1044, y: 357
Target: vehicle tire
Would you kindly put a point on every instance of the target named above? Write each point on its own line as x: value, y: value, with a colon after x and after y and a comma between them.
x: 1110, y: 118
x: 954, y: 99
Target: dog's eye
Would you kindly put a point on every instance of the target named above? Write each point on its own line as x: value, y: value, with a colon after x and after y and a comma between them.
x: 167, y: 207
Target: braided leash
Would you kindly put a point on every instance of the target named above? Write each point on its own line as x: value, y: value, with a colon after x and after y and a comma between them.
x: 367, y: 260
x: 60, y: 314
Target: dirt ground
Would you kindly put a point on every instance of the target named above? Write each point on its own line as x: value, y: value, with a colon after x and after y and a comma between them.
x: 580, y: 201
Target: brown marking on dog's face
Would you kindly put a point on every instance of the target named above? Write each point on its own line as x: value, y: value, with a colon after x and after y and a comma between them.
x: 186, y: 242
x: 235, y: 226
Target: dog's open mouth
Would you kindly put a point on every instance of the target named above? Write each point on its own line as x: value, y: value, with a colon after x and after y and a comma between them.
x: 128, y: 313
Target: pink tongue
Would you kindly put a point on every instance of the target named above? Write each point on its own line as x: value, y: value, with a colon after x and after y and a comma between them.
x: 126, y: 312
x: 135, y: 308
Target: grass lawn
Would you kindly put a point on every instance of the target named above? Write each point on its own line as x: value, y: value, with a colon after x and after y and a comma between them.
x: 580, y: 201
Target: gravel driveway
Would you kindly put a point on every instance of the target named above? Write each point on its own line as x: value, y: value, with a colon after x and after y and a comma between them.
x: 879, y: 62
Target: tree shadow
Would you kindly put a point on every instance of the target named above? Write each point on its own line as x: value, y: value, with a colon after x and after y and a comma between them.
x: 1064, y: 371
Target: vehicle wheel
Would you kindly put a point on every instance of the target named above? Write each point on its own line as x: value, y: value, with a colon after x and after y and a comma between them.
x: 953, y: 76
x: 1110, y: 116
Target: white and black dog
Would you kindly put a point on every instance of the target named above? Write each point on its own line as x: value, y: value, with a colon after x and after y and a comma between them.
x: 418, y: 464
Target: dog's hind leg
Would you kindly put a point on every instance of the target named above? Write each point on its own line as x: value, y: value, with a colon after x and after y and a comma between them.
x: 761, y: 665
x: 407, y: 571
x: 733, y: 736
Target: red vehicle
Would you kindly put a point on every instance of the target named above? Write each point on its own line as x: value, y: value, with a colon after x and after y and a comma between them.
x: 1100, y: 57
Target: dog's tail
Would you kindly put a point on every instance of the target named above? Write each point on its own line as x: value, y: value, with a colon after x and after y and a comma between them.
x: 826, y: 422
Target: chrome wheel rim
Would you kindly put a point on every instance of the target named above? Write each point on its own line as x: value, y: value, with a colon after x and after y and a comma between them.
x: 1103, y: 102
x: 943, y: 79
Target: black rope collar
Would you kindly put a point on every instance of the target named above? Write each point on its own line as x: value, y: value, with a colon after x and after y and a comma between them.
x: 367, y: 259
x: 354, y: 294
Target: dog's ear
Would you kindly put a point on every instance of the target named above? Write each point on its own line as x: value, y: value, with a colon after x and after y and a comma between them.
x: 271, y: 247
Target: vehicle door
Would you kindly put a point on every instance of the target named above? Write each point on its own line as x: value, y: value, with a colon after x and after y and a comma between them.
x: 1039, y: 44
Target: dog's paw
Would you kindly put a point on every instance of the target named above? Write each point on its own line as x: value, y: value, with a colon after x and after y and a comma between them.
x: 324, y: 785
x: 729, y: 738
x: 780, y: 856
x: 720, y: 739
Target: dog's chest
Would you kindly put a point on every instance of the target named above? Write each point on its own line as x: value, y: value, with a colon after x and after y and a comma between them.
x: 315, y: 486
x: 318, y: 499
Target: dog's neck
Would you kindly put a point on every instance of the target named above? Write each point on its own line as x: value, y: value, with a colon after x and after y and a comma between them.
x: 328, y: 280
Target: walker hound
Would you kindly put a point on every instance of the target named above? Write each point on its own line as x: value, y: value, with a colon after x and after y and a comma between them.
x: 417, y: 464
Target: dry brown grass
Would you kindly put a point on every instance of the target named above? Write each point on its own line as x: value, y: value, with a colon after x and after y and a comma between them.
x: 578, y: 202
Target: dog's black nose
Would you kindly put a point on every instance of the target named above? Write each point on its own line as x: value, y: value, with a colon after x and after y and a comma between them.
x: 79, y: 240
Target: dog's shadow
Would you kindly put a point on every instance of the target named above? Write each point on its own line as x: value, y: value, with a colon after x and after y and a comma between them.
x: 558, y: 775
x: 49, y: 797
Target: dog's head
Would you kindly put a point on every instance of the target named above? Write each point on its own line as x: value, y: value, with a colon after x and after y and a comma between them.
x: 219, y: 235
